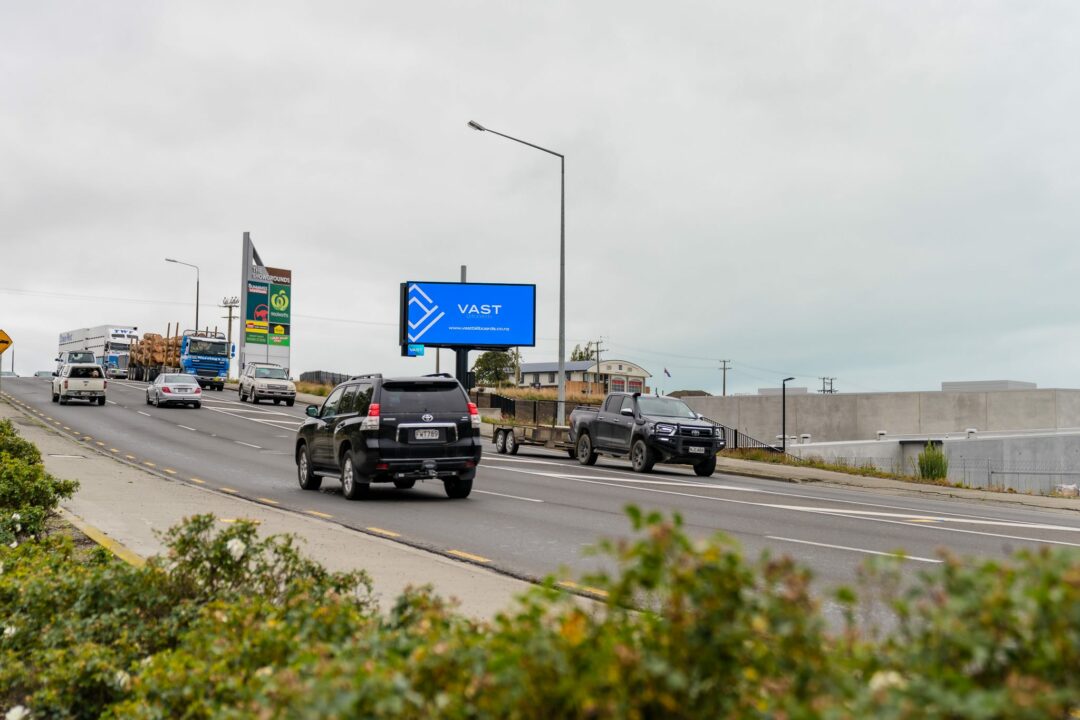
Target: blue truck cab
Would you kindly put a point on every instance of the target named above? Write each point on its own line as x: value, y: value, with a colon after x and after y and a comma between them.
x: 205, y: 355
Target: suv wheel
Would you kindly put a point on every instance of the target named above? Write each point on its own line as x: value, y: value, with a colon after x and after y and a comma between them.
x: 351, y: 486
x: 305, y: 473
x: 706, y: 467
x: 500, y: 442
x: 585, y: 454
x: 641, y: 457
x: 404, y: 484
x: 457, y: 488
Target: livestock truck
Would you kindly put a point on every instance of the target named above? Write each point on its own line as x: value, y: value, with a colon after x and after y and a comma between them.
x: 109, y: 345
x: 203, y: 354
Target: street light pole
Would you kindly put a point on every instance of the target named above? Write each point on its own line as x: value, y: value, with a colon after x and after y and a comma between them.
x: 561, y: 404
x: 196, y: 288
x: 783, y: 414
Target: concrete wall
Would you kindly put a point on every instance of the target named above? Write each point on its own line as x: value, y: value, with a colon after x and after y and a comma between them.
x: 859, y: 416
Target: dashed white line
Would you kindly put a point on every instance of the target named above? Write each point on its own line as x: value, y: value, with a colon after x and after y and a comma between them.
x: 142, y: 413
x: 187, y: 428
x: 238, y: 442
x: 515, y: 497
x: 111, y: 402
x: 901, y: 556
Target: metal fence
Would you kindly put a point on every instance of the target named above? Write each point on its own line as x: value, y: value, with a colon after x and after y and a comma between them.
x: 322, y: 377
x: 1020, y: 477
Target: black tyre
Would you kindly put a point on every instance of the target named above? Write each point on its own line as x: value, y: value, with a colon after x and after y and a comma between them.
x: 277, y: 401
x: 240, y: 391
x: 253, y: 397
x: 572, y: 453
x: 63, y: 400
x: 584, y: 448
x: 197, y: 405
x: 457, y: 488
x: 404, y: 484
x: 500, y: 442
x: 101, y: 401
x: 147, y: 397
x: 55, y: 397
x: 289, y: 403
x: 353, y: 487
x: 642, y: 457
x: 706, y: 467
x: 305, y: 473
x: 512, y: 446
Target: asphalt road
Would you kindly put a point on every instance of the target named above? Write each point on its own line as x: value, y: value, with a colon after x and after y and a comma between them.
x: 532, y: 514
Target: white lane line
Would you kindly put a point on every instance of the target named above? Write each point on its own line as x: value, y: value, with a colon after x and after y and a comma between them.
x: 268, y: 423
x: 187, y: 428
x: 900, y: 555
x: 903, y: 519
x: 515, y: 497
x: 238, y: 442
x: 142, y: 413
x: 639, y: 480
x: 111, y: 402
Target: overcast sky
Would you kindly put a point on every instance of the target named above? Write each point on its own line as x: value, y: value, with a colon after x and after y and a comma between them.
x: 884, y: 192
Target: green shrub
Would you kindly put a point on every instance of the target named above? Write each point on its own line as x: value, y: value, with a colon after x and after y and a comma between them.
x: 28, y: 497
x: 17, y: 447
x: 933, y: 465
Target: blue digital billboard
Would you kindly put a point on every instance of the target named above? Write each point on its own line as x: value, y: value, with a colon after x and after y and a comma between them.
x: 440, y: 314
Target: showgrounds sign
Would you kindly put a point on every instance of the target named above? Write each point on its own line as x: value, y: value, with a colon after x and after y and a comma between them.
x: 266, y: 308
x: 467, y: 315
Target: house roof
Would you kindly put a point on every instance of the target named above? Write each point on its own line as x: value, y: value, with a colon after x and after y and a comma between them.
x: 571, y: 366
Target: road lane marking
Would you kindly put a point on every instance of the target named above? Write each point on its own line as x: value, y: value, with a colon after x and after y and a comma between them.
x: 380, y: 531
x: 130, y: 457
x: 110, y: 402
x: 147, y: 463
x: 88, y: 437
x: 900, y: 556
x: 100, y: 443
x: 316, y: 513
x: 197, y: 480
x: 468, y: 556
x: 48, y: 418
x: 66, y: 427
x: 571, y: 585
x: 228, y: 490
x: 170, y: 471
x: 253, y: 521
x: 239, y: 442
x: 113, y: 450
x: 187, y: 428
x: 268, y: 500
x: 142, y: 413
x: 515, y: 497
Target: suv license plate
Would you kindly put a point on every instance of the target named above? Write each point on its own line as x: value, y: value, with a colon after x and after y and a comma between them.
x: 426, y: 435
x: 696, y: 450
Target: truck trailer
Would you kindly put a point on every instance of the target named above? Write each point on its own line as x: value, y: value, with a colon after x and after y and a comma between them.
x: 110, y: 345
x: 202, y: 354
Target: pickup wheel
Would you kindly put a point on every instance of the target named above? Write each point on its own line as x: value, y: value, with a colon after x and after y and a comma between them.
x: 305, y: 473
x: 55, y: 397
x: 500, y: 442
x: 706, y: 467
x: 101, y: 401
x: 584, y: 448
x: 353, y: 487
x: 642, y: 457
x: 63, y: 400
x: 512, y: 446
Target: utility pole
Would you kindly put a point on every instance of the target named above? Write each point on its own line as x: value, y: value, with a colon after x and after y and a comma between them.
x: 599, y: 376
x: 724, y: 368
x: 230, y: 304
x: 827, y: 385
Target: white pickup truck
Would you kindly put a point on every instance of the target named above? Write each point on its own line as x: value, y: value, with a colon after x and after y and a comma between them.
x: 79, y: 381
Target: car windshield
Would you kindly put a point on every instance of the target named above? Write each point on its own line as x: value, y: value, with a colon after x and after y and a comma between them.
x: 78, y: 357
x: 422, y: 397
x: 179, y: 380
x: 85, y: 372
x: 207, y: 347
x: 665, y: 407
x: 272, y: 373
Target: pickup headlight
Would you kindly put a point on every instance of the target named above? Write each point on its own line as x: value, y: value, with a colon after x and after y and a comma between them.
x: 664, y: 429
x: 719, y: 432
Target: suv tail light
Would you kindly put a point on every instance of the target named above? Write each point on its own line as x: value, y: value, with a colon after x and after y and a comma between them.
x: 474, y: 415
x: 371, y: 422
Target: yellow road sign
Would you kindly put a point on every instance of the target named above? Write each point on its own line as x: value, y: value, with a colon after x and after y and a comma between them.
x: 5, y: 341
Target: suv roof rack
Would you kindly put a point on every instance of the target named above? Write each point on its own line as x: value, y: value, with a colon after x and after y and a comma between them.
x: 369, y: 375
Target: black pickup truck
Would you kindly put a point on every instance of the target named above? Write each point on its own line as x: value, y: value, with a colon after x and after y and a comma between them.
x: 649, y: 429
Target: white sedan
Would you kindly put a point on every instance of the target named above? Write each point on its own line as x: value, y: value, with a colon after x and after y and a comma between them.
x: 174, y: 389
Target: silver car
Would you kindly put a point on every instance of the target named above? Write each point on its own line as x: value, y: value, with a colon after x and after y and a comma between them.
x: 174, y: 389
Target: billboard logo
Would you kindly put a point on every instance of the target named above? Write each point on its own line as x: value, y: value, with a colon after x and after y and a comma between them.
x: 280, y: 300
x: 424, y: 303
x: 257, y: 288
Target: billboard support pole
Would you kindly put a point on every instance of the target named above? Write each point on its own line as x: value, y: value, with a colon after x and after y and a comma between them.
x: 461, y: 355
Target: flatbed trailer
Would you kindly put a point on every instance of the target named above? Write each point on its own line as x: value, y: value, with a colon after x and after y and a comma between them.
x: 509, y: 438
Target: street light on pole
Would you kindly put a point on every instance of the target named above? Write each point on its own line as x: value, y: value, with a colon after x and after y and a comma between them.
x: 561, y: 404
x: 178, y: 262
x: 783, y: 413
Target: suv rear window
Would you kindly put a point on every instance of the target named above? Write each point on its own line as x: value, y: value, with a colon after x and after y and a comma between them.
x: 85, y: 372
x: 422, y: 397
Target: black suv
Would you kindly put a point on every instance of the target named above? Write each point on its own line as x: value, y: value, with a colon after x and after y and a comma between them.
x: 372, y: 429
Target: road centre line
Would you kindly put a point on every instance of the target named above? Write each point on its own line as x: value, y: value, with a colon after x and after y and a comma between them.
x: 901, y: 518
x: 764, y: 491
x: 515, y: 497
x: 187, y: 428
x: 900, y: 555
x: 241, y: 442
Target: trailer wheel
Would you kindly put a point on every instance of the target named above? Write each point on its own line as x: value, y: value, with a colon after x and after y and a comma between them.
x: 512, y: 446
x: 500, y: 442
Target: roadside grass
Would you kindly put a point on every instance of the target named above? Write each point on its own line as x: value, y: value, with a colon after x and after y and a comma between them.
x: 313, y: 388
x: 776, y: 458
x: 519, y: 393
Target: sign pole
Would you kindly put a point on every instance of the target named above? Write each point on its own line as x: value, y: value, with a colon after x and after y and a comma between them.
x: 461, y: 365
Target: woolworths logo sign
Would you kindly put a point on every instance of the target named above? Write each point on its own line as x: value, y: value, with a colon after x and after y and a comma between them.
x: 280, y: 304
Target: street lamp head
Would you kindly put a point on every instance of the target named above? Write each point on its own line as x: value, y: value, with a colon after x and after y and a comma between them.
x: 788, y: 379
x: 477, y: 126
x: 171, y: 260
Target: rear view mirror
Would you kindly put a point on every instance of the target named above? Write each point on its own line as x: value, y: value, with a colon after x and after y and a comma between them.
x: 629, y: 412
x: 312, y: 411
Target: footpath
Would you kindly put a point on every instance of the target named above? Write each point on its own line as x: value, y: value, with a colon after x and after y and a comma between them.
x: 125, y: 508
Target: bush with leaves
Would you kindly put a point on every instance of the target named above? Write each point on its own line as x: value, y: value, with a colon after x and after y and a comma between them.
x: 28, y: 494
x: 933, y: 465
